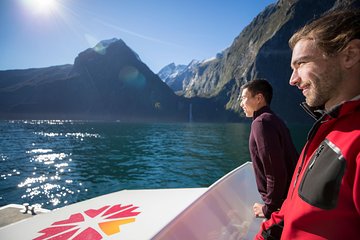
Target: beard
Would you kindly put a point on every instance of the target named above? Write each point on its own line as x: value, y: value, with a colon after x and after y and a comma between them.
x: 324, y: 88
x: 315, y: 98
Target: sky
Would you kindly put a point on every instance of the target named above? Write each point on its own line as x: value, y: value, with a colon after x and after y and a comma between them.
x: 43, y: 33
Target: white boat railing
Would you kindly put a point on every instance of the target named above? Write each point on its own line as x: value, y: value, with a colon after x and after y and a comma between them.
x: 224, y: 211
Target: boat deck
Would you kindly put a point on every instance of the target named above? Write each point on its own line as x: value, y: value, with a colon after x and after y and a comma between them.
x: 221, y: 211
x: 13, y: 213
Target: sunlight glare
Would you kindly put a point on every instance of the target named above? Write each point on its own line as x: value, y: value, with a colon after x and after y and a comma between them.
x: 43, y: 7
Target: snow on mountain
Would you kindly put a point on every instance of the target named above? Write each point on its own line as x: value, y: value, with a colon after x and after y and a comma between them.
x: 171, y: 71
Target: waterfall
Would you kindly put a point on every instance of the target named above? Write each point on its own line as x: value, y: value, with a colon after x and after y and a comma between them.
x: 190, y: 113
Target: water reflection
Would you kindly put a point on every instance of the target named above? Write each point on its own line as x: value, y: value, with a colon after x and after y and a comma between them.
x: 56, y: 163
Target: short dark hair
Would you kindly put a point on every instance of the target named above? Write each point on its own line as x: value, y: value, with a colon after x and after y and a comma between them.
x: 257, y: 86
x: 331, y: 32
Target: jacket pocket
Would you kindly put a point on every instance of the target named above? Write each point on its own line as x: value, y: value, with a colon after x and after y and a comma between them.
x: 320, y: 185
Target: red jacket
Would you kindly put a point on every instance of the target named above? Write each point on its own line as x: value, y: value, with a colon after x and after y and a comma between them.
x: 323, y: 201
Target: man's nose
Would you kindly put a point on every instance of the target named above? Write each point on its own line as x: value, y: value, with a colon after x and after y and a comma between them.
x: 294, y: 79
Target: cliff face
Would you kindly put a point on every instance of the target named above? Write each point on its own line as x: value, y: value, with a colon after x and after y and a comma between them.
x: 260, y: 51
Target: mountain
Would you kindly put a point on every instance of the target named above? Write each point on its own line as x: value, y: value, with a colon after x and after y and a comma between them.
x: 170, y: 71
x: 177, y: 77
x: 110, y: 82
x: 260, y: 51
x: 106, y: 82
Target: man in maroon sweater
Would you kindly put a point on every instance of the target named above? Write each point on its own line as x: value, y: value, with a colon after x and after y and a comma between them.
x: 272, y: 151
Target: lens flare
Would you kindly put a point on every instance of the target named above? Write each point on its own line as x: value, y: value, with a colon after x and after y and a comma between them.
x: 132, y: 78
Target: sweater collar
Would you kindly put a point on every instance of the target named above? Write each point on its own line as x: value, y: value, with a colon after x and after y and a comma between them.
x: 260, y: 111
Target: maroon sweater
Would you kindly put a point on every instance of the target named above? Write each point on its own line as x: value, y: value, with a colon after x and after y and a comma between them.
x: 274, y: 157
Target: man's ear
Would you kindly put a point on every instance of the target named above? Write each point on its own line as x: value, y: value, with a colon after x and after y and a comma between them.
x: 260, y: 97
x: 351, y: 54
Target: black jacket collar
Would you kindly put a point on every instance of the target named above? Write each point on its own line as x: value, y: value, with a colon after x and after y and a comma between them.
x: 315, y: 112
x: 319, y: 113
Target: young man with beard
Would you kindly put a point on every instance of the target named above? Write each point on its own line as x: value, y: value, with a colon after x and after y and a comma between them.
x: 272, y: 151
x: 323, y: 201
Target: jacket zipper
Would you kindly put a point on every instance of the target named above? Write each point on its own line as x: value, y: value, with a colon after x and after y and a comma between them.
x: 310, y: 136
x: 299, y: 169
x: 317, y: 153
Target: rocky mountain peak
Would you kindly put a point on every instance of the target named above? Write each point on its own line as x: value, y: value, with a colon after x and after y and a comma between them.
x: 112, y: 51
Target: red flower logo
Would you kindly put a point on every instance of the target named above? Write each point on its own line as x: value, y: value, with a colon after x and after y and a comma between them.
x: 93, y: 224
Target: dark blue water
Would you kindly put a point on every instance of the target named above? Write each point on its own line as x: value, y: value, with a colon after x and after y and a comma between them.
x: 56, y: 163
